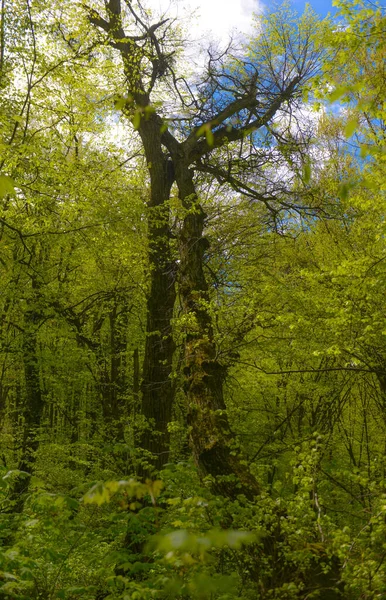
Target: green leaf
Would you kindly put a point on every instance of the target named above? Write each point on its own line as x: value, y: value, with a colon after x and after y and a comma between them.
x: 120, y: 102
x: 101, y: 493
x: 17, y: 473
x: 209, y: 137
x: 137, y: 119
x: 307, y: 171
x: 343, y: 191
x: 351, y: 127
x: 235, y: 539
x: 72, y: 503
x: 337, y: 93
x: 207, y: 131
x: 364, y: 151
x: 369, y: 184
x: 76, y: 590
x: 7, y: 186
x: 98, y: 495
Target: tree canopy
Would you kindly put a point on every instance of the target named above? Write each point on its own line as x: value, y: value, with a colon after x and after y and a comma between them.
x: 192, y: 311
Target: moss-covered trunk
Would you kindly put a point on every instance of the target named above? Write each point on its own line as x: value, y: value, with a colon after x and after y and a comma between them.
x: 157, y: 389
x: 214, y: 447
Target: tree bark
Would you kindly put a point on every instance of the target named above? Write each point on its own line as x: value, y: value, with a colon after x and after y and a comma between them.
x: 215, y: 450
x: 112, y: 371
x: 157, y: 389
x: 2, y: 38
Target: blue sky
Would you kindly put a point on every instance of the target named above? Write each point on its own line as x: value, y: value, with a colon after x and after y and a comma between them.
x: 322, y: 7
x: 220, y: 17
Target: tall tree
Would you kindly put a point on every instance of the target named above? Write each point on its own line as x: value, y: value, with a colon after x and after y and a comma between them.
x: 236, y: 100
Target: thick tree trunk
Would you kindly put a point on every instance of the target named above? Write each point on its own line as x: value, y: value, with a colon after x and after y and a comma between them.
x: 215, y: 451
x: 157, y: 386
x: 157, y: 389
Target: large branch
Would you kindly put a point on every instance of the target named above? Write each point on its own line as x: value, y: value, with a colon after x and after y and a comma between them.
x: 247, y: 101
x: 114, y: 12
x: 269, y: 200
x: 225, y: 135
x: 131, y: 52
x: 95, y: 19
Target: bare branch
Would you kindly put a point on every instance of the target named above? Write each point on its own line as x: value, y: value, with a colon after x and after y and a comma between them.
x: 226, y: 135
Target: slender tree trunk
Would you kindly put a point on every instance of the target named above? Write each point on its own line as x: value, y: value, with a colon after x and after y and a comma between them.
x: 382, y: 395
x: 214, y: 448
x: 33, y: 409
x: 136, y: 377
x: 112, y: 372
x: 2, y: 38
x: 118, y: 339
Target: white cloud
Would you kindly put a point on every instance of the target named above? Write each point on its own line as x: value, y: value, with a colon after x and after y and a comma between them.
x: 205, y: 19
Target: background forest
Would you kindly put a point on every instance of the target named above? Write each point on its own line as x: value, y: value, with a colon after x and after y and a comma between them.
x: 192, y: 305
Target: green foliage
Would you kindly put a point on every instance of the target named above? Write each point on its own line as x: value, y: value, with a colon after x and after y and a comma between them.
x: 296, y: 280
